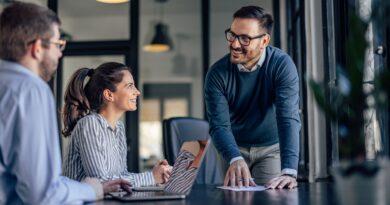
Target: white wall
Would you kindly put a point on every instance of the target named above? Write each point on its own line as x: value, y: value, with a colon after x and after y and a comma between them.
x: 96, y: 27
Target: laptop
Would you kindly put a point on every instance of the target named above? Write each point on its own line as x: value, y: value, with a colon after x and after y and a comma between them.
x: 184, y: 172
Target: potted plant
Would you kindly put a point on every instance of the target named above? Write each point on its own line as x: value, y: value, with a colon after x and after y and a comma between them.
x: 358, y: 180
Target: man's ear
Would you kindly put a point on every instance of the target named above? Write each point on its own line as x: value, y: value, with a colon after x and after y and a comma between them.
x: 265, y: 40
x: 36, y: 49
x: 108, y: 95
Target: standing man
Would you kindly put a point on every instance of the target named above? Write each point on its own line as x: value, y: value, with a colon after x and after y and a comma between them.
x: 252, y: 101
x: 30, y: 163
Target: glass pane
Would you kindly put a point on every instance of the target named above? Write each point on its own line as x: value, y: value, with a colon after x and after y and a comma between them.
x: 92, y: 20
x: 39, y: 2
x: 151, y: 110
x: 175, y: 108
x: 150, y: 131
x: 73, y: 63
x: 175, y: 74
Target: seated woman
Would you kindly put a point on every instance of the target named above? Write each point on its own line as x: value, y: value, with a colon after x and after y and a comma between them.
x: 91, y: 114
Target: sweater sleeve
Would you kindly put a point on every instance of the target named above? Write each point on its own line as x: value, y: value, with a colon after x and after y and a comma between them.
x: 218, y: 115
x: 287, y: 112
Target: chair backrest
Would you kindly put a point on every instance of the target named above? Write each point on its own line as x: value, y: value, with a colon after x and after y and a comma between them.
x: 181, y: 129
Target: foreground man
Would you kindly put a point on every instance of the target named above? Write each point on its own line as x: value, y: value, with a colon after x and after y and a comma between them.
x: 30, y: 163
x: 252, y: 101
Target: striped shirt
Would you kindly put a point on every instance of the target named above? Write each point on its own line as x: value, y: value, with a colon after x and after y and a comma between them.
x: 97, y: 150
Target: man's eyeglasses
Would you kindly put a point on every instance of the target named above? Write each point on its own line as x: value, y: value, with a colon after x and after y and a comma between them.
x: 244, y: 40
x: 59, y: 43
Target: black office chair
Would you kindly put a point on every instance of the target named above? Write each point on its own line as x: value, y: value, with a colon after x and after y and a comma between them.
x: 181, y: 129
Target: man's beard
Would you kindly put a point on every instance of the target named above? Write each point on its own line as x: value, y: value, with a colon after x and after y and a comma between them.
x: 48, y: 68
x: 243, y: 54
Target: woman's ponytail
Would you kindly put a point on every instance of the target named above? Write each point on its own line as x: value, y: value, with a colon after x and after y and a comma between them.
x: 76, y: 102
x: 83, y: 97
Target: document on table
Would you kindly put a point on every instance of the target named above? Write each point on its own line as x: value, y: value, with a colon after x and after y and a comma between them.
x: 243, y: 188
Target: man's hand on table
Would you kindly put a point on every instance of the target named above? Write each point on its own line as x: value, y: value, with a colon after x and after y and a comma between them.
x: 283, y: 181
x: 239, y: 175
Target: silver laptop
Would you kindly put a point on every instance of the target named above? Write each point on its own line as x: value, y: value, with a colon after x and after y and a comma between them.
x: 183, y: 176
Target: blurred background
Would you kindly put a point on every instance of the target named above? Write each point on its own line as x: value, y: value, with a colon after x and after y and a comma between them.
x: 190, y: 38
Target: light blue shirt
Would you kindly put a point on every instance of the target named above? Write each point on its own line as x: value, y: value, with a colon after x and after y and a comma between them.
x: 30, y: 161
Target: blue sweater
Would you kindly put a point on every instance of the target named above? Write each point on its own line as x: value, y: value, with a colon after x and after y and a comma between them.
x: 258, y: 108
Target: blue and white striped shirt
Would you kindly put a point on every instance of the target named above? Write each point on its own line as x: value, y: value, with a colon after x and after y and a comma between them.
x: 30, y: 160
x: 97, y: 150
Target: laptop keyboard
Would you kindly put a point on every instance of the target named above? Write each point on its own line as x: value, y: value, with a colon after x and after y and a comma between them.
x: 138, y: 194
x: 142, y: 194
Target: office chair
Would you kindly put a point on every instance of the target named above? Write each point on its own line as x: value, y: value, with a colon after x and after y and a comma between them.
x: 180, y: 129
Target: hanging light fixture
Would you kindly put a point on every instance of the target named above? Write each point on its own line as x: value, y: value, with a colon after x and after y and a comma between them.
x: 112, y: 1
x: 161, y: 41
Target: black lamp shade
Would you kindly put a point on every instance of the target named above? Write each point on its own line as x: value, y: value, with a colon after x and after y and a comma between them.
x: 161, y: 41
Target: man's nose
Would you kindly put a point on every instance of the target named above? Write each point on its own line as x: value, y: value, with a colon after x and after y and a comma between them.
x: 236, y: 43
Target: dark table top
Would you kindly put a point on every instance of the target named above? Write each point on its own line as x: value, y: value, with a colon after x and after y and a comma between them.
x: 319, y: 193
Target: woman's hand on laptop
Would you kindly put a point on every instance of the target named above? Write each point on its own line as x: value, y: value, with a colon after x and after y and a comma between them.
x: 102, y: 188
x: 116, y: 185
x: 162, y: 172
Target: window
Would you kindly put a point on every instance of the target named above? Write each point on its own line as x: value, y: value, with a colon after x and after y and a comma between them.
x: 90, y: 20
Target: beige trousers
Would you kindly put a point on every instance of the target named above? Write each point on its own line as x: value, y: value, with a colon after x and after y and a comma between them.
x: 263, y: 162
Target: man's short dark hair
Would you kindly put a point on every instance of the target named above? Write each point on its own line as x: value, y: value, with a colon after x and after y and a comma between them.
x: 256, y: 12
x: 21, y: 24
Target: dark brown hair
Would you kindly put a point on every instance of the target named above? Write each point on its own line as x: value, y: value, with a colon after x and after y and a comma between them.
x: 80, y: 100
x: 256, y: 12
x: 21, y: 24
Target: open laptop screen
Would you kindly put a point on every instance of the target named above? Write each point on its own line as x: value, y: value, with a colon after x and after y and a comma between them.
x: 186, y: 167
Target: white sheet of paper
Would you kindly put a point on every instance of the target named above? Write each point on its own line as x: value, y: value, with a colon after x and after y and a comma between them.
x: 251, y: 188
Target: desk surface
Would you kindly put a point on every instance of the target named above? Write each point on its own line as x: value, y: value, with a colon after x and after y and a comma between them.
x: 320, y: 193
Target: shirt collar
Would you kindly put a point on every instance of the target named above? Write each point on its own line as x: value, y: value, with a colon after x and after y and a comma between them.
x: 104, y: 122
x: 15, y: 66
x: 241, y: 68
